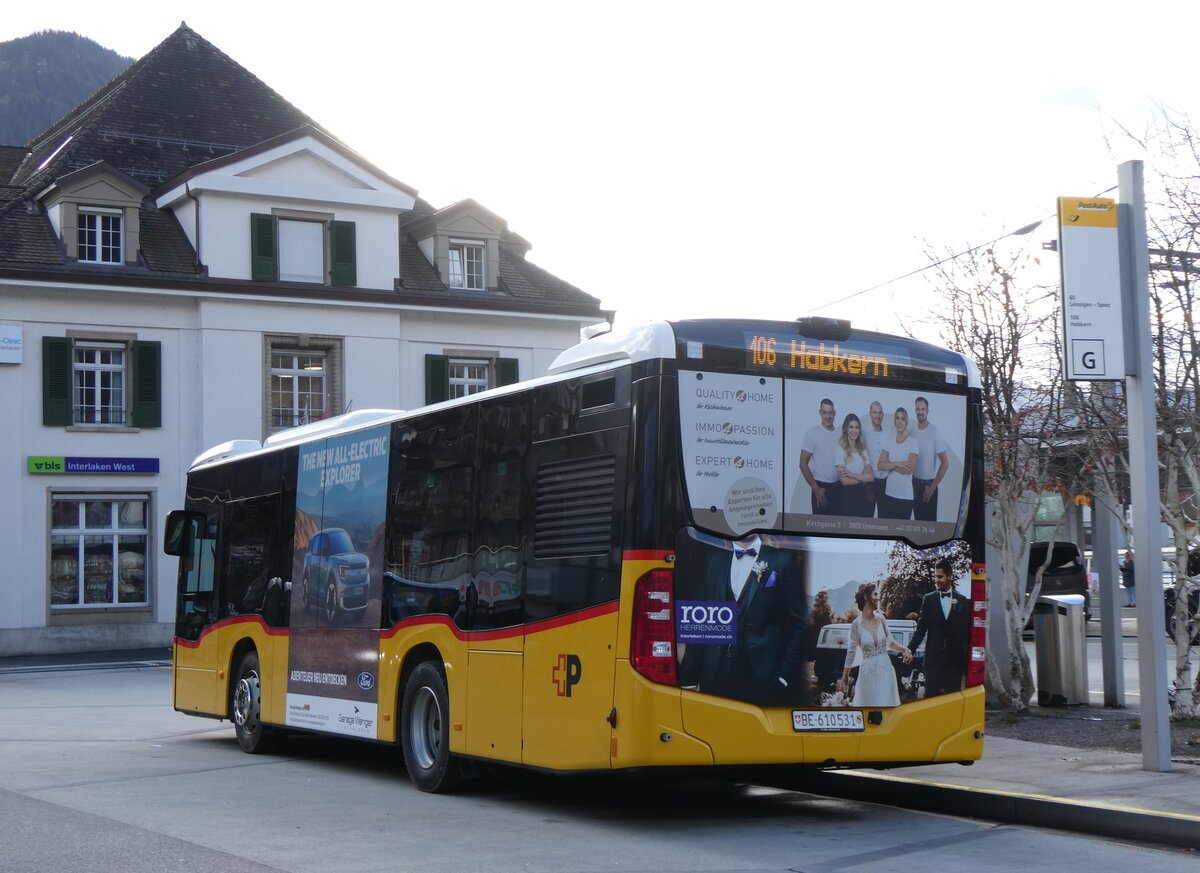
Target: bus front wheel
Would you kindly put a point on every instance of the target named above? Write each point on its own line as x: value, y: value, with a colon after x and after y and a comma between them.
x: 425, y: 730
x: 245, y: 710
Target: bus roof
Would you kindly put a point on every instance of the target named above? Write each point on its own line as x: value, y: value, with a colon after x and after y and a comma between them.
x: 657, y: 340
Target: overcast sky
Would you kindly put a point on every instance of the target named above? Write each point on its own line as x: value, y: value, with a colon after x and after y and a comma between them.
x: 683, y: 159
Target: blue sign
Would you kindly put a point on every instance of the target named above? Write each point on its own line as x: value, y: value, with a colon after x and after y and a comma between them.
x: 706, y: 622
x: 62, y: 464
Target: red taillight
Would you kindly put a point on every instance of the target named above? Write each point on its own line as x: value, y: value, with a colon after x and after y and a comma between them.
x: 652, y: 641
x: 977, y: 663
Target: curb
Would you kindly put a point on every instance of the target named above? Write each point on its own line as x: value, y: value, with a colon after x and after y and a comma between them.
x: 68, y: 668
x: 1029, y: 810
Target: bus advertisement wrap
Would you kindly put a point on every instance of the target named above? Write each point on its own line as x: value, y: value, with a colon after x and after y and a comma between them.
x: 821, y: 622
x: 765, y: 453
x: 341, y: 503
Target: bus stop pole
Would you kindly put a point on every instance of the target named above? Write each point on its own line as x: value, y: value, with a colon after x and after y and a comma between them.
x: 1143, y: 471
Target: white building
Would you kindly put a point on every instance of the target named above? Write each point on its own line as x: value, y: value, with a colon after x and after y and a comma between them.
x: 185, y: 258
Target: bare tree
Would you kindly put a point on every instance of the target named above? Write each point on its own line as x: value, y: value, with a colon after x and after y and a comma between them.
x: 995, y: 312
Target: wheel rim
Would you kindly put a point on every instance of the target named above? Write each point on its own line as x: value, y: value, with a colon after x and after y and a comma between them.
x: 245, y: 702
x: 426, y: 727
x: 331, y: 602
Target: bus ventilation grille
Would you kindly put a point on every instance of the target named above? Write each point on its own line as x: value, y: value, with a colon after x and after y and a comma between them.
x: 574, y: 507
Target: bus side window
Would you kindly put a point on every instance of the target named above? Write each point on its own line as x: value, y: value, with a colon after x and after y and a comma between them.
x: 251, y: 571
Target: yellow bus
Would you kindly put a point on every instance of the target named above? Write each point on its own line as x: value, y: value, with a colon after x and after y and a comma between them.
x: 707, y: 543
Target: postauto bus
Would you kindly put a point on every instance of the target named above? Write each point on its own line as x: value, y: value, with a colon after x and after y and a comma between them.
x: 626, y: 563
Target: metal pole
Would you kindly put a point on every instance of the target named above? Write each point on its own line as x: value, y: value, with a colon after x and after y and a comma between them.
x: 1143, y: 475
x: 1104, y: 564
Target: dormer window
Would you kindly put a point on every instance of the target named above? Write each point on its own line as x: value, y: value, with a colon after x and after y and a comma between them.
x: 292, y: 246
x: 466, y: 266
x: 99, y: 236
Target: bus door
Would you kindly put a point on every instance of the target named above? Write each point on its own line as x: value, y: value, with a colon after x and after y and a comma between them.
x: 192, y: 536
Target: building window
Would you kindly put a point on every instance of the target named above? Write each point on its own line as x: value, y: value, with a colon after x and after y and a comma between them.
x: 469, y: 377
x: 466, y: 266
x: 99, y: 377
x: 306, y: 248
x: 301, y: 251
x: 99, y: 236
x: 98, y: 550
x: 447, y: 377
x: 106, y: 381
x: 299, y: 392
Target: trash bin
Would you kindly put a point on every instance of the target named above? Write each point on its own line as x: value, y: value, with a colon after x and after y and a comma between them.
x: 1060, y: 643
x: 1065, y: 572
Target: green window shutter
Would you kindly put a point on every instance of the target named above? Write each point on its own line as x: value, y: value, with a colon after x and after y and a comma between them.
x: 342, y: 270
x: 56, y: 381
x: 264, y: 248
x: 437, y: 378
x: 506, y: 371
x: 146, y: 406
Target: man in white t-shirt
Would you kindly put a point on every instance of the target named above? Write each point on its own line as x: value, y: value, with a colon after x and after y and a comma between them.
x: 933, y: 459
x: 874, y: 437
x: 818, y: 459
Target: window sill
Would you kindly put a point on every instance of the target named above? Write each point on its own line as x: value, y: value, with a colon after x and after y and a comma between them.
x: 76, y: 615
x: 102, y: 428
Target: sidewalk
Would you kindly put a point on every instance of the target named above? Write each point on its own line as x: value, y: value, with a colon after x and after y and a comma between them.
x: 1094, y: 791
x: 86, y: 660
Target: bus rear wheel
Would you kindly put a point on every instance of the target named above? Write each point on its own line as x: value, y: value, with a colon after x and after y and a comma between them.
x: 245, y: 710
x: 425, y: 730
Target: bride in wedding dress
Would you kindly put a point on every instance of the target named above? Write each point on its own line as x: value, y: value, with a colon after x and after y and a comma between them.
x: 876, y: 683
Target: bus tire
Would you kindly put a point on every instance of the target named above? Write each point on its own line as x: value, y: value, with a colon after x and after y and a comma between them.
x: 425, y: 730
x: 245, y: 710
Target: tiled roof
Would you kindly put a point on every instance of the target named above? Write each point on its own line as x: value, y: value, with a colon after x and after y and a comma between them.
x: 26, y: 238
x: 187, y: 104
x: 10, y: 159
x: 183, y: 103
x: 164, y: 244
x: 417, y: 275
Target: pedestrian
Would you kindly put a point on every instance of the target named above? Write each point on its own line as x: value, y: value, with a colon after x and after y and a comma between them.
x: 1127, y: 578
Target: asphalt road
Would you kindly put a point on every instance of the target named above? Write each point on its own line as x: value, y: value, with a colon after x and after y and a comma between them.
x: 97, y: 773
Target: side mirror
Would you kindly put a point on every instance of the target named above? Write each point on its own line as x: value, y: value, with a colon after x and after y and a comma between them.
x: 181, y: 529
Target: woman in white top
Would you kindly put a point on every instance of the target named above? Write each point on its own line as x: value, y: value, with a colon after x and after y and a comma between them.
x: 898, y: 459
x: 854, y: 470
x: 876, y: 683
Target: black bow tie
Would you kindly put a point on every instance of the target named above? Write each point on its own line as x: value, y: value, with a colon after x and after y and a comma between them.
x: 741, y: 553
x: 946, y: 593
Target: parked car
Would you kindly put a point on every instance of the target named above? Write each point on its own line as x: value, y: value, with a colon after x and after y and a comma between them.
x: 1192, y: 587
x: 1064, y: 574
x: 336, y: 575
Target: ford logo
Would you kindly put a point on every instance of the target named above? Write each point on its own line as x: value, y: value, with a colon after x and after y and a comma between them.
x: 366, y: 681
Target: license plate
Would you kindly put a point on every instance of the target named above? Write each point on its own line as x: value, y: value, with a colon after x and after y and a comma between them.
x: 827, y: 720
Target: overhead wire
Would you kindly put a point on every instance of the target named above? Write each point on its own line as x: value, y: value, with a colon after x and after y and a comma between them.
x: 1020, y: 231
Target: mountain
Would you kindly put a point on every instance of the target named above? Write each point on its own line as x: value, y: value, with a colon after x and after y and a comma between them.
x: 45, y: 75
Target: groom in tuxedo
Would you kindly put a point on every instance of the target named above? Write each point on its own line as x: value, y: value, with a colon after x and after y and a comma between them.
x: 765, y: 587
x: 944, y: 624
